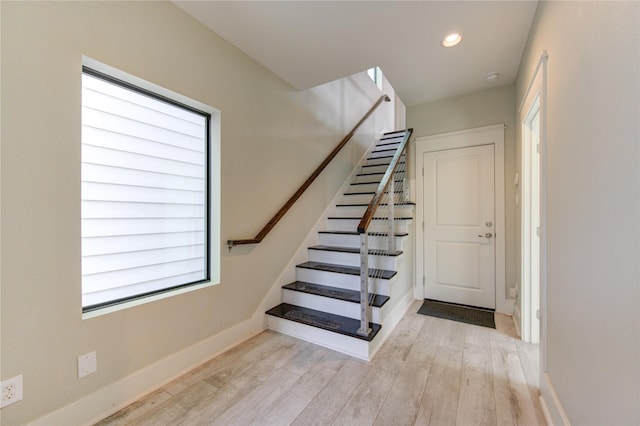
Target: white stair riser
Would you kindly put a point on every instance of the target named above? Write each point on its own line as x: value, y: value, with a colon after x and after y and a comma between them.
x: 401, y: 210
x: 368, y: 178
x: 374, y: 169
x: 383, y: 151
x: 349, y: 198
x: 375, y: 226
x: 327, y: 304
x: 381, y: 160
x: 352, y: 259
x: 346, y: 281
x: 351, y: 346
x: 370, y: 187
x: 354, y: 241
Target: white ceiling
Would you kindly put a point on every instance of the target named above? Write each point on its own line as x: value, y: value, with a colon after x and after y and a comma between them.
x: 308, y: 43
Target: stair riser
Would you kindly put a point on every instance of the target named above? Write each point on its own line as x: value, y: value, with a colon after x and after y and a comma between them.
x: 326, y: 304
x: 378, y: 169
x: 382, y: 152
x: 366, y: 198
x: 380, y: 160
x: 375, y: 226
x: 370, y: 187
x: 352, y: 259
x: 358, y: 211
x: 345, y: 344
x: 354, y: 241
x: 368, y: 178
x: 346, y: 281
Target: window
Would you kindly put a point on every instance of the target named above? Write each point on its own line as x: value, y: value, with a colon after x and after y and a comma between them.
x: 376, y: 75
x: 146, y: 192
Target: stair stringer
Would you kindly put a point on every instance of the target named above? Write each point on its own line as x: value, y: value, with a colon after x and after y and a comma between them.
x: 273, y: 296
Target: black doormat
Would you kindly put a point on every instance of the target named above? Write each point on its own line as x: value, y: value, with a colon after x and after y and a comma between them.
x: 460, y: 313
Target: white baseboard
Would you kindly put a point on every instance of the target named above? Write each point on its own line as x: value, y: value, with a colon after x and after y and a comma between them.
x: 516, y: 320
x: 115, y: 396
x: 554, y: 414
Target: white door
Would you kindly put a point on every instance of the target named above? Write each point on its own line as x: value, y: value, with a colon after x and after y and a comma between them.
x: 459, y: 235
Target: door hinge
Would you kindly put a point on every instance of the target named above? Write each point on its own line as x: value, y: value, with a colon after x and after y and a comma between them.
x: 423, y: 281
x: 538, y: 148
x: 423, y: 172
x: 537, y: 313
x: 537, y: 231
x: 423, y: 226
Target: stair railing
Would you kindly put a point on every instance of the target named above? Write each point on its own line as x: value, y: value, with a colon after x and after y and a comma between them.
x: 382, y: 209
x: 291, y: 201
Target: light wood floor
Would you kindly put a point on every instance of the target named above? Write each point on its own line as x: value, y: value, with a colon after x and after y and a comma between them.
x: 430, y: 371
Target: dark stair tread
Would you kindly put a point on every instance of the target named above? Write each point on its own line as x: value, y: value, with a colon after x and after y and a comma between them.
x: 369, y: 183
x: 380, y: 158
x: 323, y: 320
x: 393, y: 142
x: 359, y: 218
x: 383, y: 150
x: 349, y: 270
x: 407, y: 203
x: 383, y: 164
x: 375, y: 300
x: 403, y: 131
x: 370, y: 192
x: 375, y: 234
x: 355, y: 250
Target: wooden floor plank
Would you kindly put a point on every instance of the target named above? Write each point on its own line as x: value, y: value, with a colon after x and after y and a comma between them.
x: 364, y: 404
x: 280, y: 379
x: 290, y: 404
x: 403, y: 401
x: 331, y: 400
x: 431, y: 371
x: 476, y: 404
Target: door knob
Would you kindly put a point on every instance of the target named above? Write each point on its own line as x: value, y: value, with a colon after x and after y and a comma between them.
x: 487, y: 235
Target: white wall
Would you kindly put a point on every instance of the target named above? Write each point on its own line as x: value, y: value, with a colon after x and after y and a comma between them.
x: 593, y: 211
x: 491, y: 106
x: 272, y: 138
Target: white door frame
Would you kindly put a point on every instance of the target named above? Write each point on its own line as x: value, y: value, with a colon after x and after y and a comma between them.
x: 488, y: 135
x: 537, y: 90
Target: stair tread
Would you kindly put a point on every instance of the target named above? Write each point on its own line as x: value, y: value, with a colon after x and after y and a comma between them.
x: 323, y: 320
x: 375, y: 300
x: 407, y: 203
x: 355, y: 250
x: 384, y: 274
x: 383, y: 164
x: 375, y: 234
x: 359, y: 218
x: 374, y: 182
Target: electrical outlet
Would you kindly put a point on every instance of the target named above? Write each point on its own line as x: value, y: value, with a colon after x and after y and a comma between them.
x: 87, y: 364
x: 11, y: 390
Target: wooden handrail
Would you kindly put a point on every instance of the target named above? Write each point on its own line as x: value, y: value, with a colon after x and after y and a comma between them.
x: 275, y: 219
x: 384, y: 183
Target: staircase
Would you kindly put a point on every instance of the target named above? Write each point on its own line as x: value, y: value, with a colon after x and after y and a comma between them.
x: 323, y: 304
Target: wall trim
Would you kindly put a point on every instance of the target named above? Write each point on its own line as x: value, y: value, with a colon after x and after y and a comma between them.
x: 115, y: 396
x: 554, y: 414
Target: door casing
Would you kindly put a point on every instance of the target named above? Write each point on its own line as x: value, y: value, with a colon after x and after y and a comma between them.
x: 461, y: 139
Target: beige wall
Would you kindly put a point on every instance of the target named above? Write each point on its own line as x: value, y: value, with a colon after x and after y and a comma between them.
x: 478, y: 109
x: 593, y: 211
x: 272, y: 138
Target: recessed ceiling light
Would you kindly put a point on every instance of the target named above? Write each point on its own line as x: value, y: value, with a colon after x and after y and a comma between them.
x: 492, y: 76
x: 452, y: 40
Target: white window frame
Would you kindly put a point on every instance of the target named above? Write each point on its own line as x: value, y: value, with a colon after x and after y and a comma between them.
x: 213, y: 243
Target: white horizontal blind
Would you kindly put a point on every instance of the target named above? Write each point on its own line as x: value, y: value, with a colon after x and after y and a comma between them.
x: 144, y: 194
